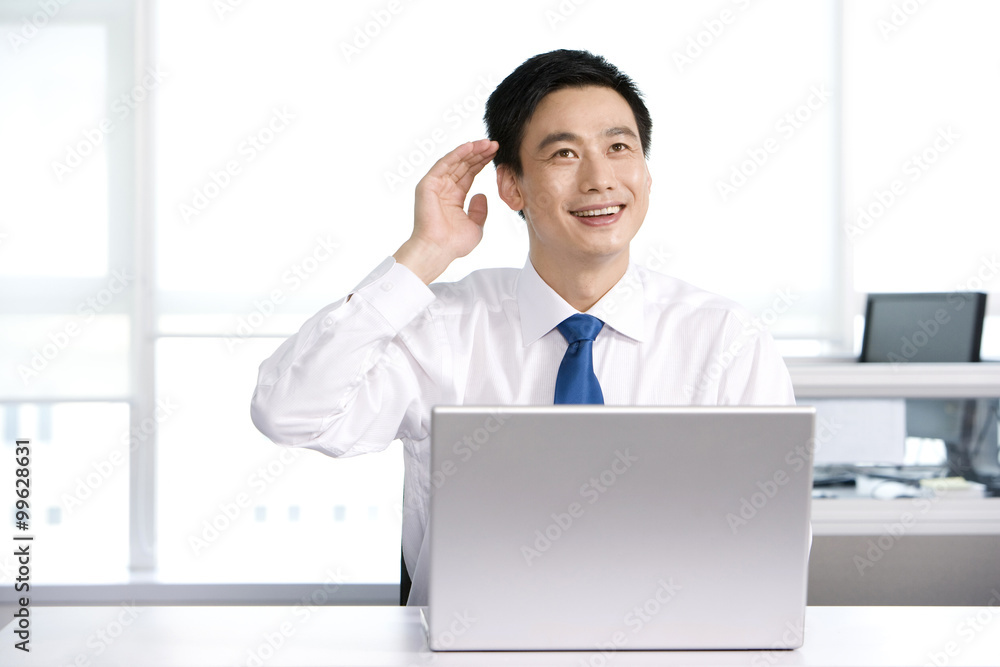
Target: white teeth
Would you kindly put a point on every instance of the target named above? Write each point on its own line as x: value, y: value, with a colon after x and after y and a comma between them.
x: 610, y: 210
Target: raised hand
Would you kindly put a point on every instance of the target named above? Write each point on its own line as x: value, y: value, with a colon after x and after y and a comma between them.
x: 442, y: 229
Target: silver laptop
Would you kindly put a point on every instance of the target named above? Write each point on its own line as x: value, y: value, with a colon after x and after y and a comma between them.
x: 609, y: 528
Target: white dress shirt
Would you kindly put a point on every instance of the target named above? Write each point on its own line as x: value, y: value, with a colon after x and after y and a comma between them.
x: 367, y: 369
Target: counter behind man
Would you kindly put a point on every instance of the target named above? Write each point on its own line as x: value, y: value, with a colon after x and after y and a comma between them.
x: 569, y: 135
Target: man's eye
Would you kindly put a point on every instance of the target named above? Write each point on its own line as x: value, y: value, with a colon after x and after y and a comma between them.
x: 564, y: 152
x: 619, y: 147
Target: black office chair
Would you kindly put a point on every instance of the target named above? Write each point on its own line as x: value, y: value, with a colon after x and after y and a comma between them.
x: 404, y: 581
x: 404, y: 576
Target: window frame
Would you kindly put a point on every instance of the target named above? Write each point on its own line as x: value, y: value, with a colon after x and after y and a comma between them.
x: 131, y: 217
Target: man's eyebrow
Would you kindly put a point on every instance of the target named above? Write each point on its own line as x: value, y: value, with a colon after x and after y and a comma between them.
x: 556, y: 137
x: 616, y: 131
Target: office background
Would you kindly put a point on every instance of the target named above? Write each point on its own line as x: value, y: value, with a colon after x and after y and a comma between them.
x: 184, y: 183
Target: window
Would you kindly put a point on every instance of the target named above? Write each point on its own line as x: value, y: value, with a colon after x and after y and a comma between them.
x: 186, y: 182
x: 66, y: 283
x: 919, y: 162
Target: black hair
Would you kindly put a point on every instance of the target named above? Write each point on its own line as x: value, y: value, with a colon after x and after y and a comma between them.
x: 514, y: 101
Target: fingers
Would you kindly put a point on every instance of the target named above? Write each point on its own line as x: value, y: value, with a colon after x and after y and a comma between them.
x: 477, y: 209
x: 462, y: 164
x: 474, y: 164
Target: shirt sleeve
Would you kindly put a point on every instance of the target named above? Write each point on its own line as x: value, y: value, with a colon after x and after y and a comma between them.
x: 757, y: 374
x: 347, y: 383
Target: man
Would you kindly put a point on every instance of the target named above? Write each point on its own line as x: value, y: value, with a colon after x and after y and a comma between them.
x: 569, y: 134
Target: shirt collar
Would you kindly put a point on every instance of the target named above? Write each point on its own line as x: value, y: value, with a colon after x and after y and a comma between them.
x: 541, y: 308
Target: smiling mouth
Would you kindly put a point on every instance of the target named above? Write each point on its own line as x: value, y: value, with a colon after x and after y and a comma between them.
x: 598, y: 212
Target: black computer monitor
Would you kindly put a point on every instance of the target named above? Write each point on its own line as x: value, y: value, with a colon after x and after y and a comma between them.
x: 923, y: 327
x: 945, y: 328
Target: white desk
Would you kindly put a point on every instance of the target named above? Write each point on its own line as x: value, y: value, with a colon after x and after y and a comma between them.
x: 362, y: 636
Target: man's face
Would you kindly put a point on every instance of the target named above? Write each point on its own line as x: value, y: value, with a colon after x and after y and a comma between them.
x: 580, y: 154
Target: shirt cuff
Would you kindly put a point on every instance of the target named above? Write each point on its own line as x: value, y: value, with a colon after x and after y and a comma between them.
x: 395, y: 292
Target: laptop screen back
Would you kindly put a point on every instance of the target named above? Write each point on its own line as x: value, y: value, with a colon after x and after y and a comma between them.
x: 649, y: 528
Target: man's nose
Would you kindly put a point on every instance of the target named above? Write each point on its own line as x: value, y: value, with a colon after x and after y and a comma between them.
x: 596, y: 174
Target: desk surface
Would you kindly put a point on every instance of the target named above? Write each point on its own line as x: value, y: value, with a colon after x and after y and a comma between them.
x: 362, y: 636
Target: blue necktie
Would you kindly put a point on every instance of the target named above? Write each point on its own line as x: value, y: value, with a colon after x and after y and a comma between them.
x: 576, y: 382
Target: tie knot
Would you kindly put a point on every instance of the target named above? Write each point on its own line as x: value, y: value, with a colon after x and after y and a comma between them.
x: 580, y: 327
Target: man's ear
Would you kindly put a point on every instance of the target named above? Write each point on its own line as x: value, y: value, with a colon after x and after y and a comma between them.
x: 507, y: 186
x: 649, y: 180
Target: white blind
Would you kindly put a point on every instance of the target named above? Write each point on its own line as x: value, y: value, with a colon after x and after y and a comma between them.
x: 328, y: 124
x: 920, y: 145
